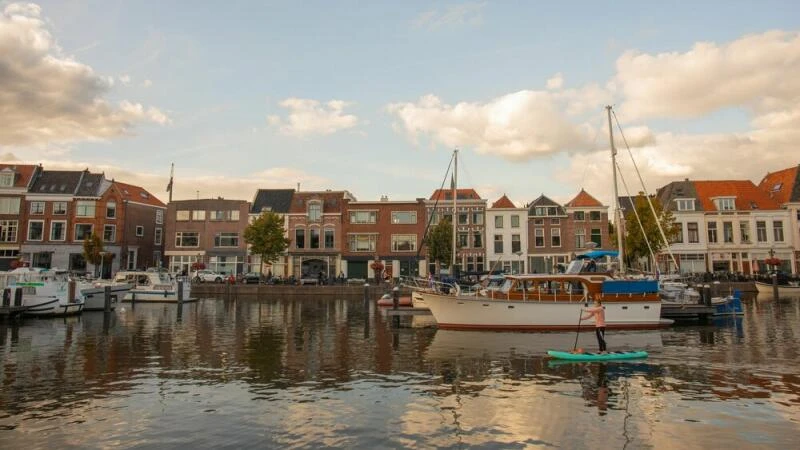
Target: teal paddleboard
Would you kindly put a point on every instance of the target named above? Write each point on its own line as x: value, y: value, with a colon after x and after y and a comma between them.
x: 597, y: 356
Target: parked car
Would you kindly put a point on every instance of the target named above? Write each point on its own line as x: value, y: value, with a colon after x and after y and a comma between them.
x: 252, y: 277
x: 208, y: 276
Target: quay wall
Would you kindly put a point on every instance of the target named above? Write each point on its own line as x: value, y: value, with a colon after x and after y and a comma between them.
x: 202, y: 290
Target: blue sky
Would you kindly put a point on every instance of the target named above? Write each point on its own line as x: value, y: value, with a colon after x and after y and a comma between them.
x: 208, y: 77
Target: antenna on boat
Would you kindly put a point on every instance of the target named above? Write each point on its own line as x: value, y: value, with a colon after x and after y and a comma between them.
x: 617, y: 210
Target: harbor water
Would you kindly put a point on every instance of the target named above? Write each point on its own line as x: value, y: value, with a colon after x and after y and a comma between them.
x: 316, y: 372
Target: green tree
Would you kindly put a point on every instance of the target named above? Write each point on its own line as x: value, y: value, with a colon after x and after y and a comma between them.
x: 93, y: 251
x: 635, y: 244
x: 267, y: 237
x: 440, y: 243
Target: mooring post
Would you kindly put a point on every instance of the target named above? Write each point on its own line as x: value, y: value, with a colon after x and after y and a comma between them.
x: 707, y: 295
x: 7, y: 297
x: 133, y: 298
x: 71, y: 291
x: 180, y: 292
x: 775, y: 285
x: 395, y: 297
x: 18, y: 296
x: 107, y: 299
x: 366, y: 296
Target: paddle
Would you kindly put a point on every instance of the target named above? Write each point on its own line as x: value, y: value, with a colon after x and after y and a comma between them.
x: 577, y: 333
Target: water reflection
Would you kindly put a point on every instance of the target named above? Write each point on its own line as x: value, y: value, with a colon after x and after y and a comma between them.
x: 311, y: 372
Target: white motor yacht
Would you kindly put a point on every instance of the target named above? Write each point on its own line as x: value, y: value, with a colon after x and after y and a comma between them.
x: 45, y: 292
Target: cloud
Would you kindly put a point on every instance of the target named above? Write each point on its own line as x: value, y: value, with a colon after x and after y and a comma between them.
x: 49, y: 98
x: 310, y: 117
x: 470, y: 13
x: 555, y: 82
x: 147, y: 83
x: 125, y: 79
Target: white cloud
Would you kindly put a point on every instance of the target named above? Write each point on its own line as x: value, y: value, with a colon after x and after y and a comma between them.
x: 49, y: 98
x: 125, y: 79
x: 469, y: 13
x: 147, y: 83
x: 555, y: 82
x: 309, y: 117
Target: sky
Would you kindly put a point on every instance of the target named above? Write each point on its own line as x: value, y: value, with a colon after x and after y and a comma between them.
x: 373, y: 97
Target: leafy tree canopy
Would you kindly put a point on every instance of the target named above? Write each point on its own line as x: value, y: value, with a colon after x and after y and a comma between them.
x: 440, y: 242
x: 635, y: 243
x: 267, y: 237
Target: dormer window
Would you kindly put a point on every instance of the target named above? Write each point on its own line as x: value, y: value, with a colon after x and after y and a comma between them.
x: 777, y: 187
x: 7, y: 179
x: 725, y: 204
x: 314, y: 211
x: 685, y: 204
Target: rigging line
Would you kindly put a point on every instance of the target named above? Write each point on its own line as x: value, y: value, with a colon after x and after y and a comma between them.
x: 435, y: 204
x: 647, y: 194
x: 593, y: 148
x: 635, y: 212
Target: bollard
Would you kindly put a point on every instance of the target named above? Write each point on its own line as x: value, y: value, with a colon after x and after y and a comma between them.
x: 775, y: 286
x: 707, y: 295
x: 107, y: 298
x: 7, y: 297
x: 71, y: 291
x: 180, y: 292
x: 18, y: 296
x: 133, y: 298
x: 366, y: 295
x: 715, y: 289
x: 395, y: 297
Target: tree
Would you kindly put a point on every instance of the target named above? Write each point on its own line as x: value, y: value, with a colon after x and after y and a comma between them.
x: 93, y: 251
x: 440, y: 243
x: 635, y: 244
x: 267, y: 237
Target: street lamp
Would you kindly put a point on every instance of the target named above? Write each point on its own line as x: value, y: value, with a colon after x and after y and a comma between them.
x: 519, y: 257
x: 102, y: 259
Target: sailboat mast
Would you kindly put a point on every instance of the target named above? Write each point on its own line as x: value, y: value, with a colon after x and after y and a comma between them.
x: 617, y: 210
x: 455, y: 212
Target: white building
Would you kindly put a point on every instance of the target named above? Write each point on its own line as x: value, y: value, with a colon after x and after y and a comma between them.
x: 506, y: 236
x: 783, y: 186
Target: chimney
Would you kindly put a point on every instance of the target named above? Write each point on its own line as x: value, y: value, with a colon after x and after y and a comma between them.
x: 298, y: 186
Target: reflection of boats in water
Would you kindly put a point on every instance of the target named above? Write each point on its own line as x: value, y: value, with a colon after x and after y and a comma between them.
x: 785, y: 290
x: 456, y: 343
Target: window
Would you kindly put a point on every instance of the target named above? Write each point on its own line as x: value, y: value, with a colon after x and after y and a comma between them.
x: 182, y: 215
x: 477, y: 240
x: 299, y: 238
x: 314, y: 237
x: 434, y: 218
x: 35, y: 230
x: 234, y: 215
x: 555, y: 237
x: 597, y: 238
x: 727, y: 231
x: 515, y: 221
x: 777, y: 230
x: 8, y: 230
x: 187, y: 239
x: 404, y: 217
x: 712, y: 232
x: 329, y: 240
x: 363, y: 216
x: 200, y: 215
x: 685, y: 204
x: 725, y: 204
x: 761, y: 231
x: 85, y: 208
x: 477, y: 218
x: 139, y: 230
x: 362, y: 242
x: 58, y: 230
x: 37, y: 208
x: 538, y: 237
x: 159, y: 216
x: 693, y: 232
x: 594, y: 215
x: 579, y: 216
x: 216, y: 215
x: 538, y: 221
x: 678, y: 238
x: 498, y: 243
x: 580, y: 238
x: 498, y: 222
x: 109, y: 233
x: 83, y: 231
x: 555, y: 221
x: 546, y: 211
x: 9, y: 205
x: 59, y: 208
x: 744, y: 232
x: 516, y: 245
x: 314, y: 211
x: 462, y: 240
x: 158, y: 236
x: 225, y: 239
x: 111, y: 210
x: 404, y: 242
x: 7, y: 179
x: 463, y: 219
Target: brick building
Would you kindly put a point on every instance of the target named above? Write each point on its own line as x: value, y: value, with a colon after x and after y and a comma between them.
x: 208, y: 231
x: 546, y: 225
x: 587, y: 221
x: 470, y: 226
x: 278, y: 201
x: 389, y: 231
x: 15, y: 180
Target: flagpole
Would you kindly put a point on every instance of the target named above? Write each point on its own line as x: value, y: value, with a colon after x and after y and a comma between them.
x: 169, y: 186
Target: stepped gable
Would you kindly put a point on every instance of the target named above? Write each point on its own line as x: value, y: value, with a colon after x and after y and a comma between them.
x: 137, y: 194
x: 782, y: 186
x: 584, y: 200
x: 748, y: 195
x: 275, y: 200
x: 503, y: 202
x: 461, y: 194
x: 23, y: 173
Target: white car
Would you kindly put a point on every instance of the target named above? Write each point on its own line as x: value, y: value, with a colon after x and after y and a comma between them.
x: 208, y: 276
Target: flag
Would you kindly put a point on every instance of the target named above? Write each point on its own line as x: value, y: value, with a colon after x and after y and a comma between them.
x: 169, y: 186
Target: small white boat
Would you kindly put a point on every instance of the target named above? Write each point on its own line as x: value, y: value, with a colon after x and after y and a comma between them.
x: 94, y: 294
x: 45, y: 292
x: 787, y: 290
x: 152, y: 287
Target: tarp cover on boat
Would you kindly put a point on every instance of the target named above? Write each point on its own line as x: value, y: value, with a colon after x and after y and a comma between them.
x: 594, y: 254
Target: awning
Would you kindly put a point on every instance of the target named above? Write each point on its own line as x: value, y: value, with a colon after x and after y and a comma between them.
x: 595, y: 254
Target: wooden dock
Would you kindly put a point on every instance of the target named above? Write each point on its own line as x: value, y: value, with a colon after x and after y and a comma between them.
x: 11, y: 311
x: 686, y: 312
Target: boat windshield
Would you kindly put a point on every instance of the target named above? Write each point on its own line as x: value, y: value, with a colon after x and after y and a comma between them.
x: 164, y: 278
x: 506, y: 287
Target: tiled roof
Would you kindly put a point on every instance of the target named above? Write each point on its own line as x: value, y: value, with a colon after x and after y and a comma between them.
x: 783, y: 186
x: 90, y: 185
x: 462, y: 194
x: 748, y: 195
x: 543, y: 200
x: 584, y: 200
x: 137, y: 194
x: 275, y: 200
x: 23, y: 172
x: 57, y: 182
x: 503, y: 202
x: 332, y: 201
x: 677, y: 189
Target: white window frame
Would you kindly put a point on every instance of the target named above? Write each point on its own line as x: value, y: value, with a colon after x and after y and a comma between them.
x: 111, y: 206
x: 10, y: 205
x: 35, y: 211
x: 84, y: 207
x: 515, y: 225
x: 234, y: 215
x: 777, y: 228
x: 7, y: 179
x: 555, y: 232
x: 75, y: 229
x: 353, y: 238
x: 498, y: 222
x: 725, y: 203
x: 325, y: 240
x: 6, y: 229
x: 183, y: 215
x: 372, y: 216
x: 218, y: 237
x: 539, y: 233
x: 179, y: 236
x: 113, y: 232
x: 30, y: 223
x: 316, y: 206
x: 64, y: 230
x: 396, y: 239
x: 496, y: 241
x: 139, y: 230
x: 412, y: 218
x: 159, y: 216
x: 684, y: 204
x: 158, y: 236
x: 59, y: 212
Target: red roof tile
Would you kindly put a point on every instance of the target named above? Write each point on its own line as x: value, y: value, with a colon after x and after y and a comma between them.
x: 24, y: 173
x: 138, y: 194
x: 583, y: 200
x: 748, y: 195
x: 463, y: 194
x: 503, y: 202
x: 779, y: 185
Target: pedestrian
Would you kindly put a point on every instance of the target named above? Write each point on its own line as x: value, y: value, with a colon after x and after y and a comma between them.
x: 599, y: 314
x: 319, y: 278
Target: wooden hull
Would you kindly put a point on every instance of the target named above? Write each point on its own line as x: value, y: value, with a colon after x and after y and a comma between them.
x: 784, y: 290
x: 492, y: 314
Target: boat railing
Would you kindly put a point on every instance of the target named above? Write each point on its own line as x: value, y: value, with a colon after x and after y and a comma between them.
x: 430, y: 285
